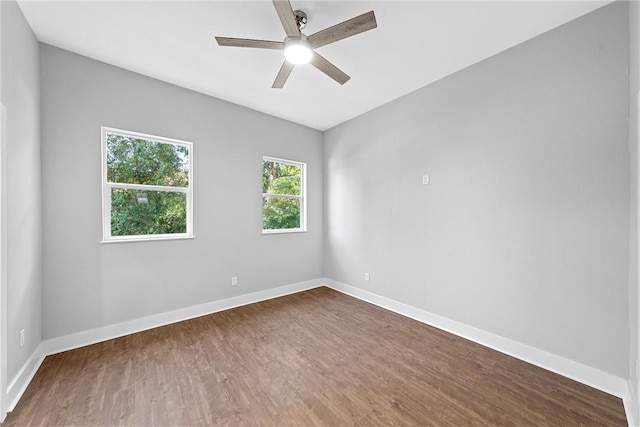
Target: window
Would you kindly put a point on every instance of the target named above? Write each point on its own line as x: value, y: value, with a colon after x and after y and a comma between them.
x: 147, y: 187
x: 283, y: 196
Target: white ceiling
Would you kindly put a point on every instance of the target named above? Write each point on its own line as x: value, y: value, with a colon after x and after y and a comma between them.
x: 416, y: 43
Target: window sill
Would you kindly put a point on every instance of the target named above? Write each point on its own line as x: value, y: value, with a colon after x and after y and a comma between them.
x: 147, y: 239
x: 290, y: 231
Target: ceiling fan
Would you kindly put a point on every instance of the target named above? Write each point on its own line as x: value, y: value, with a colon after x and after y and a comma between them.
x: 300, y: 49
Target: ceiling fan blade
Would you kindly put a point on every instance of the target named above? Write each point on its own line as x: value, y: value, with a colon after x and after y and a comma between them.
x: 283, y: 75
x: 259, y: 44
x: 285, y: 13
x: 351, y: 27
x: 329, y: 69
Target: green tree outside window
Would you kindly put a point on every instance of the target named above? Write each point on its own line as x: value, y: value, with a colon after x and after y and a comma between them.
x: 282, y: 201
x: 147, y: 183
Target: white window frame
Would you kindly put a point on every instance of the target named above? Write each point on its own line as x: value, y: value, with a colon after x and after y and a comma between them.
x: 107, y: 186
x: 302, y: 197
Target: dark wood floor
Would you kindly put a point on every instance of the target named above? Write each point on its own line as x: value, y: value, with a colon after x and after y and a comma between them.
x: 313, y: 358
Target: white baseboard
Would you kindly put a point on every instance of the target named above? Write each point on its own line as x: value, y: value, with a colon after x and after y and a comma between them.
x: 81, y: 339
x: 84, y: 338
x: 631, y: 407
x: 19, y: 384
x: 568, y: 368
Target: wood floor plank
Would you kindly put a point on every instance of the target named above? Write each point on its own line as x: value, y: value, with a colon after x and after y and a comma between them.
x: 314, y: 358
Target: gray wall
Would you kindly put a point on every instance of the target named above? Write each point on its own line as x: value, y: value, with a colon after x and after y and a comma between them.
x: 21, y: 97
x: 87, y: 284
x: 523, y: 230
x: 634, y: 87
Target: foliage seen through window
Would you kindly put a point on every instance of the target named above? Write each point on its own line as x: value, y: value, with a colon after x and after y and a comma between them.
x: 148, y: 182
x: 282, y: 186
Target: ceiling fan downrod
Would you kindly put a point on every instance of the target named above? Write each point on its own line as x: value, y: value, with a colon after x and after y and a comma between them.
x: 301, y: 19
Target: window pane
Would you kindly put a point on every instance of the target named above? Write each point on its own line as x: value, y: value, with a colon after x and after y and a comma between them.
x: 280, y: 214
x: 135, y: 212
x: 281, y: 178
x: 141, y: 161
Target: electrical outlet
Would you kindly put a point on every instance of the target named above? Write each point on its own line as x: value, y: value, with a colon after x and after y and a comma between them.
x: 234, y: 281
x: 426, y: 179
x: 22, y: 334
x: 367, y: 277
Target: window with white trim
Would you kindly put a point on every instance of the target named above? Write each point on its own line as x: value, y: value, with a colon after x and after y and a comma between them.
x: 283, y: 196
x: 147, y: 187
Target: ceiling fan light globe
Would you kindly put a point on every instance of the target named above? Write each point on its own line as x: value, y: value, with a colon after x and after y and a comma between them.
x: 297, y: 51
